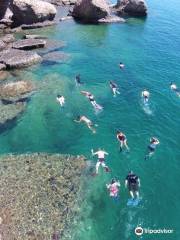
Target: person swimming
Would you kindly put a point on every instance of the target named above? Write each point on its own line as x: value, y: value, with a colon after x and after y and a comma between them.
x: 121, y: 65
x: 132, y: 181
x: 78, y: 80
x: 145, y: 95
x: 61, y: 100
x: 101, y: 159
x: 113, y: 188
x: 174, y: 88
x: 122, y: 139
x: 92, y: 100
x: 114, y: 88
x: 87, y: 121
x: 152, y: 147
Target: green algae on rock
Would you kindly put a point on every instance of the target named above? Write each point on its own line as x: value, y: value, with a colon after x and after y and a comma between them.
x: 39, y: 194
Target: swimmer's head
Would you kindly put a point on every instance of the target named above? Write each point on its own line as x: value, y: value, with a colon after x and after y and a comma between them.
x: 113, y: 181
x: 78, y: 117
x: 119, y: 132
x: 131, y: 172
x: 58, y: 96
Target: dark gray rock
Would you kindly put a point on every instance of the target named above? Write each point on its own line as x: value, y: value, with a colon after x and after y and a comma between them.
x: 90, y: 10
x: 32, y: 11
x: 14, y: 58
x: 29, y: 44
x: 137, y: 8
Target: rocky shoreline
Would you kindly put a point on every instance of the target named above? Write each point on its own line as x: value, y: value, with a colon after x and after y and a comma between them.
x: 39, y: 195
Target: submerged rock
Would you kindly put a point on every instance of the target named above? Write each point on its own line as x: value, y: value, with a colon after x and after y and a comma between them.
x: 10, y: 112
x: 32, y: 11
x: 30, y: 208
x: 132, y: 7
x: 56, y: 57
x: 90, y: 10
x: 29, y: 44
x: 14, y: 58
x: 16, y: 91
x: 3, y: 75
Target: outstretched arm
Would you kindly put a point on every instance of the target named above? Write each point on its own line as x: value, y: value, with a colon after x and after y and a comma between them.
x: 126, y: 182
x: 139, y: 182
x: 93, y: 153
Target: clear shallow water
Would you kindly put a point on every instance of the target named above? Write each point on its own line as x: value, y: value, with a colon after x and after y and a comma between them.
x: 150, y: 50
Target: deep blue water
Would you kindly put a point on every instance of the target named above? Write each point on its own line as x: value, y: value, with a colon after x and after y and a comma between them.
x: 150, y: 50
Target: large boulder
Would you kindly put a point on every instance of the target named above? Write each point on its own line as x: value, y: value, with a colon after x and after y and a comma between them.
x: 4, y: 8
x: 137, y: 8
x: 32, y: 11
x: 16, y: 91
x: 90, y: 10
x: 14, y: 58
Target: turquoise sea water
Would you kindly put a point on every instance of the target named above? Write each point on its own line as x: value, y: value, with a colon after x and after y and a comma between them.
x: 150, y: 50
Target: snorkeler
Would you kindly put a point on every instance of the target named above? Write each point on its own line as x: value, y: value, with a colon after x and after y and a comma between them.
x: 133, y: 183
x: 61, y: 100
x: 101, y: 159
x: 113, y: 188
x: 122, y: 139
x: 85, y: 120
x: 114, y: 88
x: 175, y: 89
x: 145, y: 95
x: 152, y: 147
x: 92, y: 100
x: 78, y: 80
x: 121, y: 65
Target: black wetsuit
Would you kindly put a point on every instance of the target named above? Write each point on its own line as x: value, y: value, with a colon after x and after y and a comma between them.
x: 132, y: 182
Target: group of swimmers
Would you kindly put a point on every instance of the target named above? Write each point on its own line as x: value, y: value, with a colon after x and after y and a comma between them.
x: 132, y: 181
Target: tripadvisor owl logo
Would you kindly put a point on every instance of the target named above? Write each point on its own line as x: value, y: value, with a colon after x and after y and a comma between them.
x: 138, y: 231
